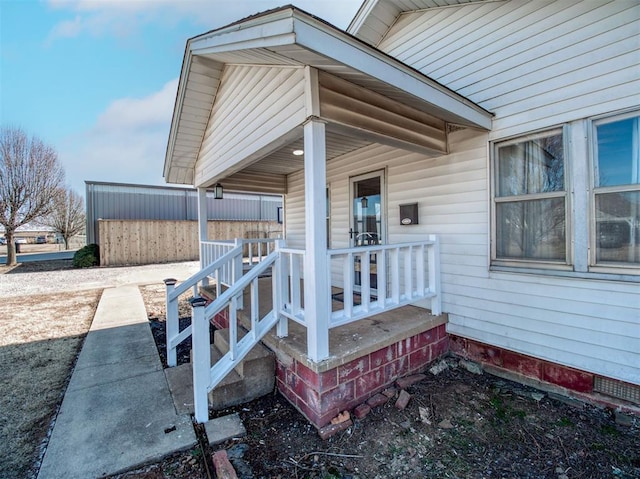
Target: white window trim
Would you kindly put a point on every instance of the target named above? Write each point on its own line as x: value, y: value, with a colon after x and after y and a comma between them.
x: 593, y: 123
x: 527, y: 264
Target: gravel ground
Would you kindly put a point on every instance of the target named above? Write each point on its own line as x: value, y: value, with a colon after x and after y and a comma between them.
x: 27, y: 279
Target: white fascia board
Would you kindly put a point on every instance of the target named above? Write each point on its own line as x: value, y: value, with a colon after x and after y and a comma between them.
x: 361, y: 16
x: 380, y: 66
x: 177, y: 112
x: 262, y: 34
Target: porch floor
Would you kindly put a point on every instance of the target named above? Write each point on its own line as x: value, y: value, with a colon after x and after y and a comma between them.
x: 347, y: 342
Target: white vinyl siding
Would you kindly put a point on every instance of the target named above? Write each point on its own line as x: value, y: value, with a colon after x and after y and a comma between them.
x: 592, y: 325
x: 534, y: 64
x: 255, y: 106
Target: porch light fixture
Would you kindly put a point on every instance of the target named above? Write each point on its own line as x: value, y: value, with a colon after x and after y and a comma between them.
x: 364, y: 202
x: 298, y: 152
x: 218, y: 191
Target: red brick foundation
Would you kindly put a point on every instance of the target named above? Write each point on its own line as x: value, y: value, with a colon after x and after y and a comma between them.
x: 321, y: 396
x: 563, y: 376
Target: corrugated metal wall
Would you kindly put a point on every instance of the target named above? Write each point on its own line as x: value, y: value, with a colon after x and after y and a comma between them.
x: 140, y: 202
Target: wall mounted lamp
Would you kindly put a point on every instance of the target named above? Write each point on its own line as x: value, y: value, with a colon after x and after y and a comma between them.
x: 364, y: 202
x: 218, y: 191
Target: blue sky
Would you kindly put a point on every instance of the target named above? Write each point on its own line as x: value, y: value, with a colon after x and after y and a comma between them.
x: 97, y: 79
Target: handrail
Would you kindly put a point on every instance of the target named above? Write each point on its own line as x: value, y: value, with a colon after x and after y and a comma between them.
x: 207, y: 377
x: 173, y: 334
x: 205, y: 272
x: 379, y: 247
x: 212, y: 309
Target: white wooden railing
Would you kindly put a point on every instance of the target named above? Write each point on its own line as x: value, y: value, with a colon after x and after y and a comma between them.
x: 207, y: 377
x: 254, y: 250
x: 405, y: 273
x: 290, y: 284
x: 226, y: 264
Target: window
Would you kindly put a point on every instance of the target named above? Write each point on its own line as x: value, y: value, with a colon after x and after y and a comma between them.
x: 530, y: 200
x: 616, y: 193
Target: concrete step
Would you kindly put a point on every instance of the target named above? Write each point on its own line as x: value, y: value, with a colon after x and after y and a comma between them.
x: 260, y: 360
x: 257, y: 379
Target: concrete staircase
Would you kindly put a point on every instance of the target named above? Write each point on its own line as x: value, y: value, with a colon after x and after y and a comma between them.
x: 252, y: 378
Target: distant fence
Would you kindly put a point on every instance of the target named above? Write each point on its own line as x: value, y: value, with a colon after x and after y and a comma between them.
x: 125, y: 242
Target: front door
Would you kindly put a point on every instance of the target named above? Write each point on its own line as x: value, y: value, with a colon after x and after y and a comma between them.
x: 368, y: 219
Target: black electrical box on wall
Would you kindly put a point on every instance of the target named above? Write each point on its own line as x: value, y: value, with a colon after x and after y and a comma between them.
x: 409, y: 214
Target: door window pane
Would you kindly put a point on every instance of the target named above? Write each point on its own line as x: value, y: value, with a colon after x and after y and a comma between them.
x: 532, y: 166
x: 531, y: 230
x: 618, y: 227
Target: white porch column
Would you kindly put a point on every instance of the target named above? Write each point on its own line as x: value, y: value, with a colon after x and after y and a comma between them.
x: 316, y: 269
x: 203, y: 234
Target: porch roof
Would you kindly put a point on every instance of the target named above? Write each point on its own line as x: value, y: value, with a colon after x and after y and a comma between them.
x: 289, y: 37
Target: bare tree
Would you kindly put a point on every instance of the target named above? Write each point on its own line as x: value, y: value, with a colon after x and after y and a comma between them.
x: 30, y: 177
x: 67, y: 216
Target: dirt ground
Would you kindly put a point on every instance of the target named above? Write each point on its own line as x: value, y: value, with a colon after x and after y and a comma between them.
x: 41, y: 338
x: 456, y: 425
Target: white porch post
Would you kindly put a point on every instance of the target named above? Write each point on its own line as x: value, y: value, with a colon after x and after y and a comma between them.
x: 316, y: 269
x: 203, y: 233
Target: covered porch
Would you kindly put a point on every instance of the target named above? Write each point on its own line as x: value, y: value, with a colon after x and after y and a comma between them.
x: 366, y: 355
x: 269, y: 104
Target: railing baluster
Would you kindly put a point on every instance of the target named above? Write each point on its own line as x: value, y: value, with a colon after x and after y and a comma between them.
x: 365, y: 280
x: 434, y: 275
x: 280, y: 290
x: 381, y: 274
x: 233, y: 327
x: 172, y: 319
x: 419, y: 265
x: 394, y: 256
x: 408, y: 277
x: 255, y: 305
x: 348, y: 281
x: 296, y: 296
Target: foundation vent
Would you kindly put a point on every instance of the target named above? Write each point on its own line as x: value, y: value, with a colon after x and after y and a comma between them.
x: 617, y: 389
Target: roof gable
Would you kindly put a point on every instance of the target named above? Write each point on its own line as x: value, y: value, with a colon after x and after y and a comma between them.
x: 288, y: 37
x: 375, y: 17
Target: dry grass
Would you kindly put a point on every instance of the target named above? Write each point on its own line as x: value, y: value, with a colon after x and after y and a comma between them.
x: 40, y: 340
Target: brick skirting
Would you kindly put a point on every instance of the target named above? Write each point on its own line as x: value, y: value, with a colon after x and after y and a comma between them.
x: 546, y: 375
x: 321, y: 396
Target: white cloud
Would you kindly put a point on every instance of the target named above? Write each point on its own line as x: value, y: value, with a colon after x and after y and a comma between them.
x: 127, y: 143
x: 139, y: 113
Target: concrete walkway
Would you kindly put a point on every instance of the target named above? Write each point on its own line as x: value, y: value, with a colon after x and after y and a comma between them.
x: 117, y: 412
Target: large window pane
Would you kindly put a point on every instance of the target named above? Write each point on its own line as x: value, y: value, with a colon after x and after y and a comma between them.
x: 532, y: 166
x: 618, y: 153
x: 532, y: 230
x: 618, y: 227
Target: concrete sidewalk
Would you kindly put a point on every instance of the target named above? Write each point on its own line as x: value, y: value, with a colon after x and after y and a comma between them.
x: 117, y: 412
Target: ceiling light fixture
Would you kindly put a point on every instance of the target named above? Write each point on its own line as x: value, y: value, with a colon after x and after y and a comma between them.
x: 298, y: 152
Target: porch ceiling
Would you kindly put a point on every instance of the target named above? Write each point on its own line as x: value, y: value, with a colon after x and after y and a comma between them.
x: 288, y: 37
